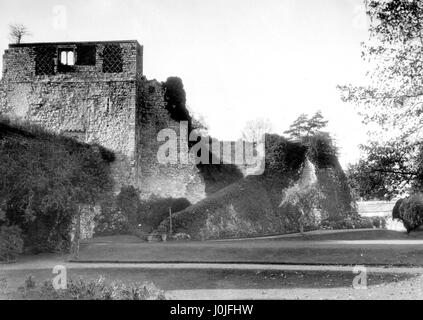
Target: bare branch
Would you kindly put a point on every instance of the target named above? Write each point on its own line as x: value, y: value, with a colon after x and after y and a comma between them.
x: 17, y: 32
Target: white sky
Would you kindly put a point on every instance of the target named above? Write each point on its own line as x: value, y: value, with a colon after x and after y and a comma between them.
x: 239, y: 59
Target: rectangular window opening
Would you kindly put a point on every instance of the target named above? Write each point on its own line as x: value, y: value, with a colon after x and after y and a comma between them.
x: 112, y: 59
x: 86, y: 55
x: 44, y: 60
x: 66, y: 60
x: 67, y: 57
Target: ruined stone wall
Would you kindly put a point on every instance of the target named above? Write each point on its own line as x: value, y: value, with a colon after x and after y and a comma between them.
x: 84, y: 102
x: 20, y: 63
x: 161, y: 180
x: 121, y: 111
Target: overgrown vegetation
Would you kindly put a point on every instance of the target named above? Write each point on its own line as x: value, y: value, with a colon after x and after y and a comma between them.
x: 128, y: 214
x: 392, y: 161
x: 175, y: 97
x: 96, y: 289
x: 410, y: 211
x: 155, y: 210
x: 387, y: 170
x: 11, y: 243
x: 355, y: 222
x: 44, y: 179
x: 250, y: 206
x: 304, y: 195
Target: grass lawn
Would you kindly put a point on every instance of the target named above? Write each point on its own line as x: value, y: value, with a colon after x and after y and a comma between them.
x: 178, y: 281
x: 376, y: 247
x: 348, y: 248
x: 376, y: 234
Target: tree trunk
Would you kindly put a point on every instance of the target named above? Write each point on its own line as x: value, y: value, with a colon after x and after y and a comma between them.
x: 77, y: 234
x: 301, y: 221
x: 170, y: 222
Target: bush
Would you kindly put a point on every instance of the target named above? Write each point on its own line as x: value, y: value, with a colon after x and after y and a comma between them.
x: 11, y: 243
x: 30, y: 282
x: 155, y: 210
x: 396, y: 210
x: 355, y: 223
x: 181, y: 236
x: 410, y: 212
x: 96, y: 289
x: 364, y: 223
x: 378, y: 222
x: 45, y: 178
x: 111, y: 221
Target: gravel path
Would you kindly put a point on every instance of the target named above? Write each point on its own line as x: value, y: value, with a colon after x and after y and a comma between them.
x: 50, y: 262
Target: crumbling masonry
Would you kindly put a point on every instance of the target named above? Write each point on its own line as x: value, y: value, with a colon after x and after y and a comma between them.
x: 96, y: 92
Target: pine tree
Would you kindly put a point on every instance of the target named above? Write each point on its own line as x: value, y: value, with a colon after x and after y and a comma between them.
x: 305, y: 127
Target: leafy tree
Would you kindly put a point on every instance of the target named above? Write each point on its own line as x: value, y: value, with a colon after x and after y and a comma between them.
x: 305, y: 127
x: 385, y: 171
x: 393, y: 98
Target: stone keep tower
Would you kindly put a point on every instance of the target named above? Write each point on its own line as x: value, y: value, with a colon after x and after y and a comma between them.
x: 87, y: 90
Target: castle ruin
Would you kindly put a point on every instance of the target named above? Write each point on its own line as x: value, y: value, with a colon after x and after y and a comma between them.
x: 96, y: 92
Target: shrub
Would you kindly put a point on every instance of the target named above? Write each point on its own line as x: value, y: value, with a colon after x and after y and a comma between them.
x: 111, y: 221
x: 396, y: 210
x: 96, y: 289
x: 44, y: 179
x: 30, y: 282
x: 354, y: 223
x: 339, y: 224
x: 181, y: 236
x: 11, y: 243
x: 155, y: 210
x: 411, y: 212
x: 378, y: 222
x: 364, y: 223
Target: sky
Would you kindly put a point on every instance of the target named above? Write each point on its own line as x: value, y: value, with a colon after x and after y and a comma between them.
x: 239, y: 59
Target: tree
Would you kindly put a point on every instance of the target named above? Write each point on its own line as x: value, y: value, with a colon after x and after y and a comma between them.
x: 395, y: 48
x: 393, y: 98
x: 255, y: 130
x: 386, y: 171
x: 17, y: 32
x: 305, y: 127
x: 304, y: 194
